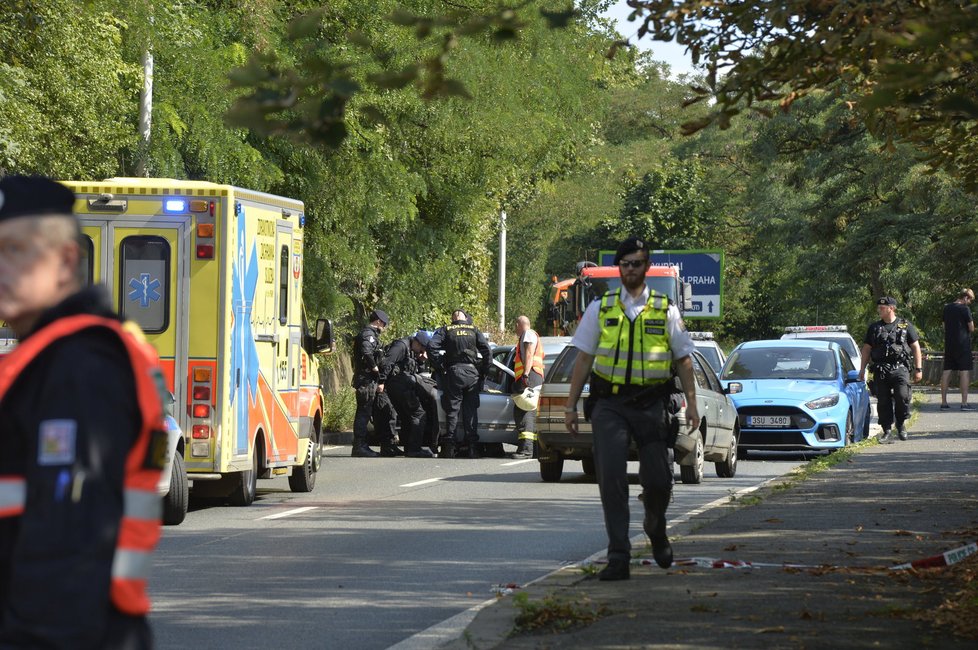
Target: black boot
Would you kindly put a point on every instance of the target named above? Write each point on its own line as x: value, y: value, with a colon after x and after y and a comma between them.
x: 616, y: 570
x: 361, y: 450
x: 655, y: 527
x: 446, y: 448
x: 390, y: 450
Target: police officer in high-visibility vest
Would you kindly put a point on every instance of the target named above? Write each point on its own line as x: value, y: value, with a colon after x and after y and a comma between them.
x: 528, y: 372
x: 633, y: 338
x: 462, y: 354
x: 81, y: 424
x: 891, y: 349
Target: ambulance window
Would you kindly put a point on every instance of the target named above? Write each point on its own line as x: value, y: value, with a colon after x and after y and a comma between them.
x: 144, y: 283
x: 283, y: 286
x: 87, y: 263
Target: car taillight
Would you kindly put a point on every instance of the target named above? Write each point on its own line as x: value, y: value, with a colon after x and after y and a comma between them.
x: 200, y: 409
x: 201, y: 431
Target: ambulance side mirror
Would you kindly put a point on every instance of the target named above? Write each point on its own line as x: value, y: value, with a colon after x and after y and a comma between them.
x: 322, y: 341
x: 687, y: 296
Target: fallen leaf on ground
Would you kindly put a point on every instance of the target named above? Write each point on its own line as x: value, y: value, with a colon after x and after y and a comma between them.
x: 771, y: 630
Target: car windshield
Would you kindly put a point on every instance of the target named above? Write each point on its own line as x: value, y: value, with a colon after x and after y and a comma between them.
x: 599, y: 286
x: 560, y: 371
x: 844, y: 341
x: 780, y: 363
x: 711, y: 355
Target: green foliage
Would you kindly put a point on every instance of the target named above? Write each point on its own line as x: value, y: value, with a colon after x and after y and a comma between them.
x: 907, y: 64
x: 339, y: 407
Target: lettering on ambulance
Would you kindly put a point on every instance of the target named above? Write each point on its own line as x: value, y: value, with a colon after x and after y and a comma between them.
x: 244, y: 352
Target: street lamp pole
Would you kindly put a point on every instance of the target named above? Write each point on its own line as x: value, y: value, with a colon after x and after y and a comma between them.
x: 502, y: 270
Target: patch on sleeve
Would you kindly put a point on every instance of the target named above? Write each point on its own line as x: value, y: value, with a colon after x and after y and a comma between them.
x: 56, y: 442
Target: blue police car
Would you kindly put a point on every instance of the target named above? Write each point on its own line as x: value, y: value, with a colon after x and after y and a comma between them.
x: 796, y: 395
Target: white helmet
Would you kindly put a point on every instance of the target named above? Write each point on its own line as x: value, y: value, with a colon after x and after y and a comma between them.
x: 528, y: 399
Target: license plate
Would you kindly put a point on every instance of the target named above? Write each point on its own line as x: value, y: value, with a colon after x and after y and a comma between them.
x: 769, y: 420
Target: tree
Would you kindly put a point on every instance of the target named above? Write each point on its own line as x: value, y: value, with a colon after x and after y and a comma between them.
x: 907, y: 66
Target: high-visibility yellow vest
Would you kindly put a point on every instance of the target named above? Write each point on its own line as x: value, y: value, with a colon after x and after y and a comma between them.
x: 633, y: 352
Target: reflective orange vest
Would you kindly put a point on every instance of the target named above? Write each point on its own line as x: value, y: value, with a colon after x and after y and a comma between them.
x: 537, y: 359
x: 139, y: 530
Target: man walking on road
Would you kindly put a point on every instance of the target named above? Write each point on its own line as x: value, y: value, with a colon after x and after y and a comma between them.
x: 891, y: 349
x: 632, y: 338
x: 81, y: 420
x: 528, y: 370
x: 958, y: 327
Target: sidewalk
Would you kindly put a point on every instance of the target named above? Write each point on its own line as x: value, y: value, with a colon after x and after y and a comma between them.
x: 887, y: 505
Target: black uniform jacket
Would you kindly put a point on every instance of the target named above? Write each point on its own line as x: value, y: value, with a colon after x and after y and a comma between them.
x: 397, y: 360
x: 56, y: 558
x: 461, y: 343
x: 366, y: 351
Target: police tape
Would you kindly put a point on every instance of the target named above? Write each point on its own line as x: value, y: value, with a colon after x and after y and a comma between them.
x: 946, y: 558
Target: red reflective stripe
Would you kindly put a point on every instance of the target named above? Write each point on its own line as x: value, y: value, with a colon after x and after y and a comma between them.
x: 129, y: 596
x: 139, y: 534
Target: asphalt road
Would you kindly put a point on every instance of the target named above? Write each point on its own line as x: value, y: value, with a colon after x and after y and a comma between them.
x: 384, y: 549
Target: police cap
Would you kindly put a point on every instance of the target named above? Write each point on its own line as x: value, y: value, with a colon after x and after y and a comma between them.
x: 887, y: 300
x: 381, y: 315
x: 28, y: 196
x: 423, y: 337
x: 629, y: 246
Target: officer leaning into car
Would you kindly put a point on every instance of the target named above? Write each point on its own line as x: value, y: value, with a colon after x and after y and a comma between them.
x: 81, y: 419
x: 632, y: 338
x: 398, y: 376
x: 367, y: 353
x: 461, y: 352
x: 891, y: 349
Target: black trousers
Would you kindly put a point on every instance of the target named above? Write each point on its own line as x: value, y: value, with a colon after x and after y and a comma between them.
x: 376, y: 406
x: 461, y: 395
x: 615, y: 424
x: 410, y: 413
x: 892, y: 397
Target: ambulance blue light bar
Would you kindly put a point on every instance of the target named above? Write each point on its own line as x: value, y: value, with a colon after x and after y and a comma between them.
x: 175, y: 206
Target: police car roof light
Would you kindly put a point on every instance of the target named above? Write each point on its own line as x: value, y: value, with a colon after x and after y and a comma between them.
x: 701, y: 336
x: 795, y: 329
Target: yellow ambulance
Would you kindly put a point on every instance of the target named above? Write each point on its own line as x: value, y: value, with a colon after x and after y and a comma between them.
x: 213, y: 275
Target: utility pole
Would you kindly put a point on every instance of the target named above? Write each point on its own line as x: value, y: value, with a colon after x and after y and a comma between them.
x: 145, y: 112
x: 502, y: 270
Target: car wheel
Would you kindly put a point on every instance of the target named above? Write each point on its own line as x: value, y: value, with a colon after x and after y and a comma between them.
x: 177, y: 499
x: 850, y: 430
x: 727, y: 468
x: 550, y: 470
x: 869, y: 416
x: 587, y: 464
x: 693, y: 474
x: 244, y: 490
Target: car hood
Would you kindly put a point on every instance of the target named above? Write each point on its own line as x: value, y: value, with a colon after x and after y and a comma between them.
x: 781, y: 390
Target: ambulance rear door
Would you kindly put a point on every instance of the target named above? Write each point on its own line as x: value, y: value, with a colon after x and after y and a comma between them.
x: 143, y: 263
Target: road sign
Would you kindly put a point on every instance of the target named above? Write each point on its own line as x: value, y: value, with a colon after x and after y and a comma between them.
x: 701, y: 269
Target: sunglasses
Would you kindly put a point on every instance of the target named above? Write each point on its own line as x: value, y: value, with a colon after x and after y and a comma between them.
x: 631, y: 264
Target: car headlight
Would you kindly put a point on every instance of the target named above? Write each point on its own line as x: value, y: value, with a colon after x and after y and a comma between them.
x: 823, y: 402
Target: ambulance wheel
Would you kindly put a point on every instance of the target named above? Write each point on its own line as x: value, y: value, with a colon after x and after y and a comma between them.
x: 243, y: 493
x: 303, y: 478
x: 177, y: 499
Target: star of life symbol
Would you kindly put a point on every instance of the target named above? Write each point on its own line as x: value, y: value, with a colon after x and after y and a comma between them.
x: 144, y: 289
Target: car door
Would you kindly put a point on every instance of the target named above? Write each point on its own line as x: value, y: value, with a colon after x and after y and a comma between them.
x: 706, y: 398
x: 726, y: 414
x: 855, y: 391
x: 495, y: 402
